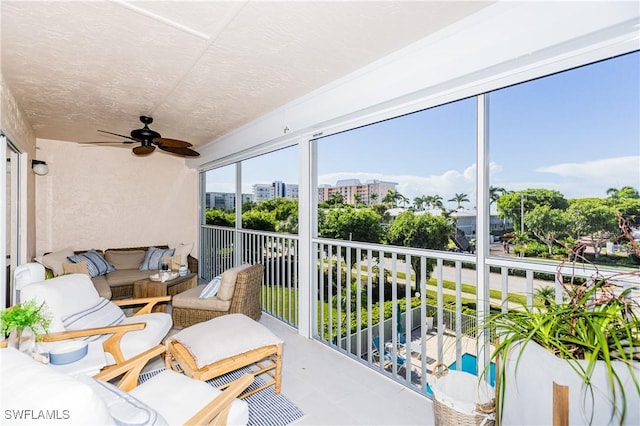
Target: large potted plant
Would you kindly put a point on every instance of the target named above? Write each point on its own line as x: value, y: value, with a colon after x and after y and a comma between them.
x: 589, y: 342
x: 23, y: 323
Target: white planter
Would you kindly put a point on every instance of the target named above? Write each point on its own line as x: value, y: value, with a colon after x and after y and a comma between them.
x: 528, y: 393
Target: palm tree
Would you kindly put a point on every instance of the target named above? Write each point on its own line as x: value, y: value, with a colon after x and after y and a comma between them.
x: 374, y: 197
x: 419, y: 202
x: 335, y: 199
x: 547, y: 294
x: 390, y: 198
x: 403, y: 200
x: 495, y: 192
x: 437, y: 202
x: 357, y: 199
x: 460, y: 198
x: 613, y: 192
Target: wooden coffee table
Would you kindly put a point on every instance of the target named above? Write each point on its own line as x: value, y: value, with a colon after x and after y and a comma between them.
x: 148, y: 288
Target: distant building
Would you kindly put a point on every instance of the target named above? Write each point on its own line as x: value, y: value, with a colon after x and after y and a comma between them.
x: 292, y: 191
x: 354, y: 192
x: 277, y: 189
x: 466, y: 222
x: 223, y: 200
x: 261, y: 192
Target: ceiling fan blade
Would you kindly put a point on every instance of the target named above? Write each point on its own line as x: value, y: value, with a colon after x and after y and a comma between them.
x: 185, y: 152
x: 143, y: 150
x: 174, y: 143
x: 112, y: 142
x: 118, y: 134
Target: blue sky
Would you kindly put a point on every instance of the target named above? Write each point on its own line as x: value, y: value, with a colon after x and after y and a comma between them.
x: 577, y: 132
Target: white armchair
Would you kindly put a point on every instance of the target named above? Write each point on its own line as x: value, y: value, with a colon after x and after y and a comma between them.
x: 36, y: 393
x: 77, y: 311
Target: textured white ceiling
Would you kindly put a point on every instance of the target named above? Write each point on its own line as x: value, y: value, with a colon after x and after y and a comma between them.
x: 200, y: 69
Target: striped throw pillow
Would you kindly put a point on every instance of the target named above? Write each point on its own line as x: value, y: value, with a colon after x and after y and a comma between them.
x: 153, y: 258
x: 102, y: 314
x: 96, y: 264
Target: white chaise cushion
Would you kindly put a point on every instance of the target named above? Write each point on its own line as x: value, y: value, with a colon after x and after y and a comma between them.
x: 27, y: 274
x: 161, y: 391
x: 34, y: 393
x: 136, y: 342
x: 64, y: 295
x: 125, y: 409
x: 224, y: 337
x: 104, y: 313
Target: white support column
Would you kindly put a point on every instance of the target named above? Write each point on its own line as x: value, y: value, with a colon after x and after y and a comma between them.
x: 306, y: 231
x: 202, y: 219
x: 237, y: 239
x: 482, y: 225
x: 3, y: 226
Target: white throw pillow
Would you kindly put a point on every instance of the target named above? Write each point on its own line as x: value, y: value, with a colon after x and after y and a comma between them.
x: 182, y: 250
x: 212, y: 288
x: 54, y: 260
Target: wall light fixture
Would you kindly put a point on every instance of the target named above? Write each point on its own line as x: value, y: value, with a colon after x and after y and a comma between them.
x: 39, y: 167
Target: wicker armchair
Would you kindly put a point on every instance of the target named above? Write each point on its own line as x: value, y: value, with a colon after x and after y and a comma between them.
x: 189, y: 309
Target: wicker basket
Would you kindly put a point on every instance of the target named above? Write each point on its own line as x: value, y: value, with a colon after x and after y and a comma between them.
x: 455, y: 403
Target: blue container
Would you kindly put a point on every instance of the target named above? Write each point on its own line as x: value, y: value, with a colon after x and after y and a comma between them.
x: 68, y: 352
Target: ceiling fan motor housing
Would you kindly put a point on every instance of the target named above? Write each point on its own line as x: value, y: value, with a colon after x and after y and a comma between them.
x: 149, y: 139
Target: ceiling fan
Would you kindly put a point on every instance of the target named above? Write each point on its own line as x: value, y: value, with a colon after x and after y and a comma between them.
x: 149, y: 139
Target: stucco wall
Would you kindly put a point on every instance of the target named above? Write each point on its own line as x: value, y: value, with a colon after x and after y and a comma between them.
x: 15, y: 126
x: 102, y: 197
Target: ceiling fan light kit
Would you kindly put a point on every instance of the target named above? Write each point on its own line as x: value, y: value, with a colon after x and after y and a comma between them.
x: 149, y: 139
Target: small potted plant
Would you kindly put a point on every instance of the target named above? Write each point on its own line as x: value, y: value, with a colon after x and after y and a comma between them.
x: 23, y: 323
x: 590, y: 341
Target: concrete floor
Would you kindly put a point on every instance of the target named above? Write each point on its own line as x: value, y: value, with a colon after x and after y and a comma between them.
x: 332, y: 389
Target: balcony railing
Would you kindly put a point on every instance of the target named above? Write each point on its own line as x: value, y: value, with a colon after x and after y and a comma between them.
x: 364, y: 291
x: 223, y: 248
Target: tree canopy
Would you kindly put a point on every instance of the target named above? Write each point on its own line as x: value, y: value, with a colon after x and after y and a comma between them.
x: 349, y: 223
x: 422, y: 231
x: 513, y: 204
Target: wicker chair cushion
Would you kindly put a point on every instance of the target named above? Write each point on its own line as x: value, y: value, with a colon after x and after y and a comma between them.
x: 224, y: 337
x: 190, y: 299
x: 228, y: 283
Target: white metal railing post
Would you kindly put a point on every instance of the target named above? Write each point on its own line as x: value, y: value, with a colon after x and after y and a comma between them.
x: 237, y: 238
x: 306, y: 230
x: 482, y: 228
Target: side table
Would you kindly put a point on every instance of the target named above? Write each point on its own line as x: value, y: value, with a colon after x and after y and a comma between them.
x: 148, y: 288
